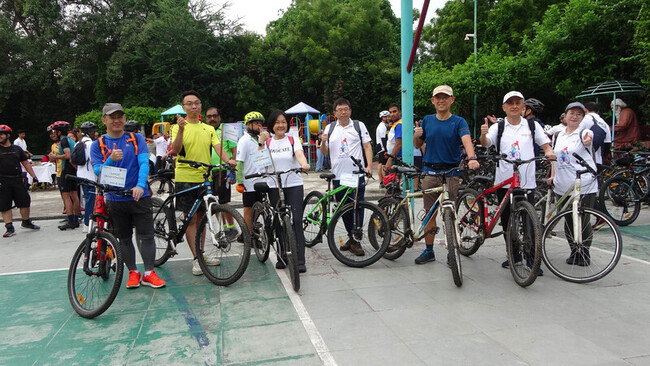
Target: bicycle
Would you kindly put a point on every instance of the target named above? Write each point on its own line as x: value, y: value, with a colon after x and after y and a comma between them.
x: 97, y: 266
x: 232, y: 257
x: 622, y: 194
x: 523, y: 234
x: 268, y: 219
x: 357, y: 216
x: 590, y: 255
x: 161, y: 185
x: 403, y: 221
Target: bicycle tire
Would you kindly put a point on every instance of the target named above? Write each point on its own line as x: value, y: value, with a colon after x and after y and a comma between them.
x: 453, y: 256
x: 291, y: 251
x: 603, y: 253
x: 92, y: 294
x: 314, y: 219
x: 619, y: 200
x: 524, y: 243
x: 259, y: 236
x: 164, y: 228
x: 471, y: 223
x: 233, y: 256
x: 161, y: 187
x: 398, y: 226
x: 378, y: 235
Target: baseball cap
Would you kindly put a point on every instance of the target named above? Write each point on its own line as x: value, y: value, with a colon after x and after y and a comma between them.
x: 443, y: 89
x: 576, y: 105
x: 110, y: 108
x: 384, y: 114
x: 511, y: 94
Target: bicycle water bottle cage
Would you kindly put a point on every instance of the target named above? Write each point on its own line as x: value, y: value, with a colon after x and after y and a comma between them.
x: 261, y: 187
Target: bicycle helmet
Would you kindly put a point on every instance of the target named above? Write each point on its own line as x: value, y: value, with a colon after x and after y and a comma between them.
x: 253, y: 116
x: 87, y: 128
x: 131, y: 126
x: 49, y: 129
x: 535, y: 105
x: 5, y: 129
x: 62, y: 126
x: 383, y: 114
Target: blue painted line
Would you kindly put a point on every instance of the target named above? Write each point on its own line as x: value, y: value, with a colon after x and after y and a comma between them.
x: 195, y: 326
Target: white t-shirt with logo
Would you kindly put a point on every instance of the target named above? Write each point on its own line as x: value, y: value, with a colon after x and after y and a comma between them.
x: 161, y: 146
x: 588, y: 122
x: 344, y: 143
x: 246, y: 148
x: 283, y: 155
x: 517, y: 143
x: 567, y: 165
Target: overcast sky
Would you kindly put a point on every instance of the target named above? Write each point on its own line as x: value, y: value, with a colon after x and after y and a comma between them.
x: 256, y: 14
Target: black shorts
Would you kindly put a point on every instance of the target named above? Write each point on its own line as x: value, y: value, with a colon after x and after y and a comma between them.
x: 67, y: 185
x: 219, y: 186
x: 185, y: 201
x: 418, y: 162
x: 249, y: 198
x: 126, y: 215
x: 382, y: 159
x: 13, y: 191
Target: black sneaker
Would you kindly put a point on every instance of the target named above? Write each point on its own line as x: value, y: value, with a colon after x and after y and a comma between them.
x: 280, y: 264
x: 302, y: 268
x: 29, y: 224
x: 10, y: 231
x: 68, y: 225
x: 426, y: 256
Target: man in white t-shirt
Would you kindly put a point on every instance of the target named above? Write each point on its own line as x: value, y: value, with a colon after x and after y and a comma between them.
x: 380, y: 139
x: 345, y: 142
x: 20, y: 141
x: 517, y: 142
x: 162, y: 146
x: 86, y: 171
x: 592, y: 117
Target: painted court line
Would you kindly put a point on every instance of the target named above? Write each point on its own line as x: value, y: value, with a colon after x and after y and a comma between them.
x: 307, y: 322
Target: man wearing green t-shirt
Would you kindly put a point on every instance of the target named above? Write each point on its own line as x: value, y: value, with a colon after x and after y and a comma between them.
x: 221, y: 180
x: 193, y: 140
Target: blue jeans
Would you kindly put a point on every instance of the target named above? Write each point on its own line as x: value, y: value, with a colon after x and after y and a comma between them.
x: 89, y: 203
x: 319, y: 160
x: 347, y: 217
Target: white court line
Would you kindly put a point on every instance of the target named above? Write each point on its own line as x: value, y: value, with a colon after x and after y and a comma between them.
x: 68, y: 268
x: 307, y: 322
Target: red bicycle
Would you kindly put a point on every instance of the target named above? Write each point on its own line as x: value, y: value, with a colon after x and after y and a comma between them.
x: 97, y: 266
x: 476, y: 221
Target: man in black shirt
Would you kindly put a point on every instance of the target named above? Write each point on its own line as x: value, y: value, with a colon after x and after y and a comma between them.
x: 12, y: 185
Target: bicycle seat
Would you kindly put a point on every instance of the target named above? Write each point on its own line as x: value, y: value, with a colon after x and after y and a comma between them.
x: 327, y: 176
x: 483, y: 179
x: 404, y: 169
x: 261, y: 187
x: 166, y: 173
x: 624, y: 161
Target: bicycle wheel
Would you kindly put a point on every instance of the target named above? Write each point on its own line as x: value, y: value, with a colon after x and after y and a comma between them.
x: 92, y: 286
x: 619, y: 200
x: 259, y: 236
x: 223, y: 260
x: 593, y: 258
x: 398, y: 221
x: 164, y: 229
x: 313, y: 218
x: 346, y: 237
x: 524, y: 243
x: 291, y: 250
x: 453, y: 254
x: 160, y: 187
x: 470, y: 222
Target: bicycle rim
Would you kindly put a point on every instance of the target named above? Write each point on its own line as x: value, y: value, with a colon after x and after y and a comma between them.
x: 161, y: 188
x: 524, y: 244
x: 585, y: 260
x: 259, y: 236
x: 398, y: 221
x: 164, y: 225
x: 92, y: 293
x: 313, y: 218
x: 291, y: 252
x: 469, y: 211
x: 453, y: 254
x: 620, y: 201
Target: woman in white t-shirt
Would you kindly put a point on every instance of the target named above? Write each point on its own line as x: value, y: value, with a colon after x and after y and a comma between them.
x: 566, y: 142
x: 287, y: 155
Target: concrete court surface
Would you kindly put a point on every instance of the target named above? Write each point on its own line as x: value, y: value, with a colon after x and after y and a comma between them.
x: 390, y: 313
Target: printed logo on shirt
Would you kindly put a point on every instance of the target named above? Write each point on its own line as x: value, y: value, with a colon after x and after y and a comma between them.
x: 280, y: 150
x: 564, y: 156
x: 515, y: 151
x: 344, y: 149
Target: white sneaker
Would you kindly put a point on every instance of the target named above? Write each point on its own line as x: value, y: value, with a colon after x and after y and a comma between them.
x: 84, y: 228
x: 212, y: 260
x: 196, y: 268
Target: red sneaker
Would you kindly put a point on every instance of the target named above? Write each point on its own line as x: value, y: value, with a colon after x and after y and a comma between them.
x: 153, y: 281
x: 134, y: 280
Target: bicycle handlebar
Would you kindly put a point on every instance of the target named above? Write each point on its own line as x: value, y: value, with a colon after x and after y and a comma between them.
x: 198, y: 164
x: 268, y: 174
x: 357, y: 162
x: 584, y: 163
x: 103, y: 187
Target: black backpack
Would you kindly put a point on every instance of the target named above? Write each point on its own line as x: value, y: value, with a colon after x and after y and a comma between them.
x: 78, y: 155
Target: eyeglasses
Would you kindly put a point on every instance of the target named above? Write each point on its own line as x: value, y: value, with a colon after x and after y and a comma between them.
x: 343, y: 109
x: 212, y: 115
x: 195, y: 103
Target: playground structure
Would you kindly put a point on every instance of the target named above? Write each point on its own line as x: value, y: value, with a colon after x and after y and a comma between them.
x: 308, y: 126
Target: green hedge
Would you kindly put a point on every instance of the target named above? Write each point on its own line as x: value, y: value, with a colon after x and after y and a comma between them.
x: 146, y: 116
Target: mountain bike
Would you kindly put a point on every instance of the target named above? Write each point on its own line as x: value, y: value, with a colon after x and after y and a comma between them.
x: 97, y: 266
x: 161, y: 184
x: 621, y: 196
x: 273, y: 226
x: 214, y: 241
x: 523, y: 234
x: 346, y: 219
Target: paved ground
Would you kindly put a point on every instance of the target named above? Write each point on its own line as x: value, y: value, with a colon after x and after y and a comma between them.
x: 391, y: 313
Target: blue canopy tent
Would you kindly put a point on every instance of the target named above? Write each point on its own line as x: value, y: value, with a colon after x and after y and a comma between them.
x: 304, y: 108
x: 177, y: 109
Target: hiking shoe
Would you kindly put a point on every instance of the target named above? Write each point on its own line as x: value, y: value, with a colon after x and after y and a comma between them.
x: 196, y: 268
x: 134, y: 280
x: 29, y: 224
x: 505, y: 264
x: 152, y: 280
x: 231, y: 234
x: 426, y: 256
x: 345, y: 246
x: 302, y: 268
x: 356, y: 249
x: 68, y: 225
x: 240, y: 238
x: 212, y: 260
x: 10, y: 231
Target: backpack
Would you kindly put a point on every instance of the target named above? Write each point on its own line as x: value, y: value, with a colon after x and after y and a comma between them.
x: 599, y: 135
x: 293, y: 152
x: 106, y: 152
x: 502, y: 125
x: 357, y: 127
x: 78, y: 155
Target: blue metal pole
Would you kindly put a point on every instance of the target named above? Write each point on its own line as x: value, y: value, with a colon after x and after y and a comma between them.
x: 407, y: 81
x: 475, y: 61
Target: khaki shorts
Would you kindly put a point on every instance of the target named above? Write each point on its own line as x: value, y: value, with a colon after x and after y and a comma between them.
x: 433, y: 182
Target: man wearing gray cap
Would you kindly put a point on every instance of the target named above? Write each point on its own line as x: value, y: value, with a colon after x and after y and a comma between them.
x: 128, y: 151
